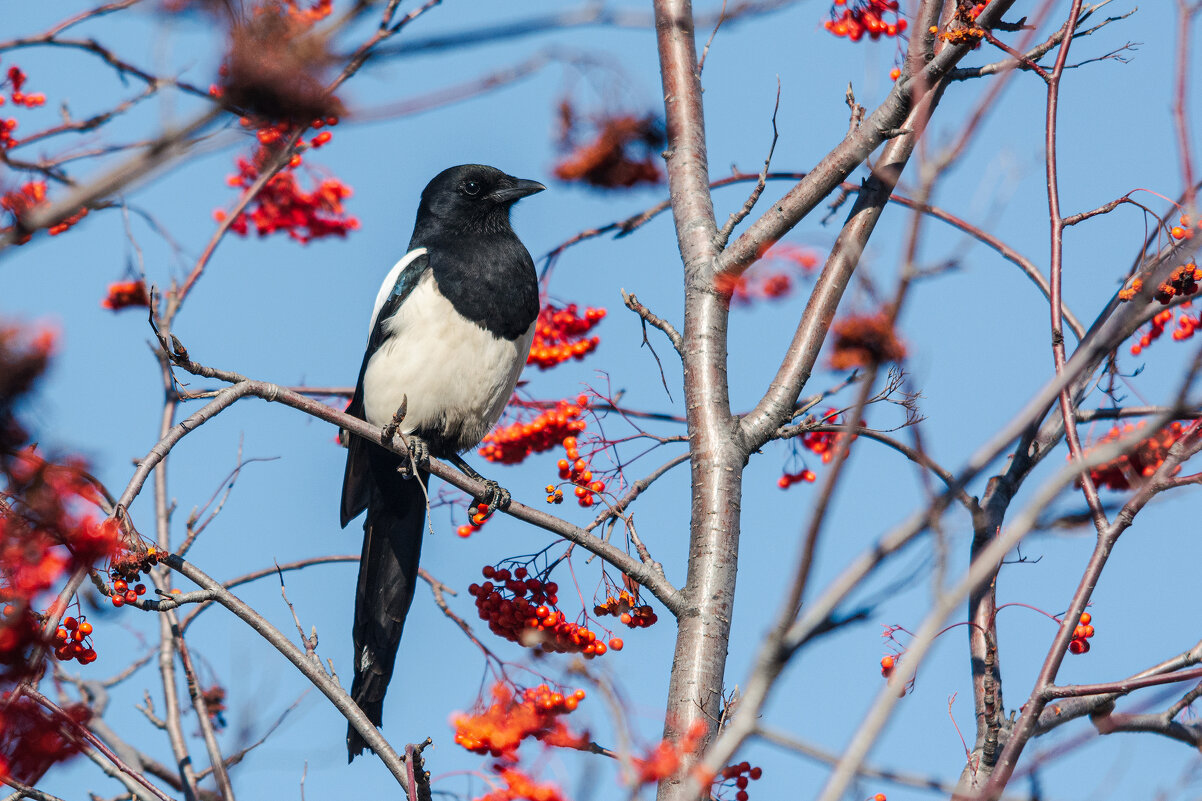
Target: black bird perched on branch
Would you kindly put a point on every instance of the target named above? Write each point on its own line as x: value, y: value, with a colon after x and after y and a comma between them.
x: 450, y: 333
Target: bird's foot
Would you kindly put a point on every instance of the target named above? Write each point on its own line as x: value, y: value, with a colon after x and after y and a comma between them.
x: 419, y: 454
x: 494, y: 496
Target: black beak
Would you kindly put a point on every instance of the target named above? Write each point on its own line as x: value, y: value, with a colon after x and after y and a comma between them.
x: 519, y: 189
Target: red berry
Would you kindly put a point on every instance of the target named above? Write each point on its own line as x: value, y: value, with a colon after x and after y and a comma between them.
x: 70, y: 623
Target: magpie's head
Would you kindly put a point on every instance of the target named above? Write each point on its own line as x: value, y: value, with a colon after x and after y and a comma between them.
x: 472, y: 198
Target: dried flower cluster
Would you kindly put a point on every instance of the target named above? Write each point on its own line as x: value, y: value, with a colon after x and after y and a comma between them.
x: 865, y: 340
x: 617, y: 151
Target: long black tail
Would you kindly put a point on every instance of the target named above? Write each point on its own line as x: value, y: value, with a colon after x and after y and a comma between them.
x: 392, y: 546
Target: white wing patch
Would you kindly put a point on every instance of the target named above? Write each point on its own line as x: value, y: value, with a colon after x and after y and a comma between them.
x: 456, y: 376
x: 390, y: 282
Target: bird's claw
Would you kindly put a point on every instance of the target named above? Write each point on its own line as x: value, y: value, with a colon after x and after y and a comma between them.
x: 419, y: 454
x: 495, y: 496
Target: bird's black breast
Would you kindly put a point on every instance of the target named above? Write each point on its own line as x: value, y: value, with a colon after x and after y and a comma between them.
x: 489, y: 279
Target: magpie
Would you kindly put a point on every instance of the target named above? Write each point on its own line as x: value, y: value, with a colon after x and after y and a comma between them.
x: 450, y: 332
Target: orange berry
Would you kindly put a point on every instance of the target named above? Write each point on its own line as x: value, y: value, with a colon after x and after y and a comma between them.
x: 887, y: 663
x: 70, y: 623
x: 1178, y: 232
x: 85, y: 628
x: 879, y: 797
x: 616, y: 643
x: 1086, y: 618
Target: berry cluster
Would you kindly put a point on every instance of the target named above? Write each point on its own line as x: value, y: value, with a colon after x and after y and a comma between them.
x: 20, y: 202
x: 511, y: 444
x: 126, y: 294
x: 42, y: 532
x: 740, y: 775
x: 559, y: 335
x: 73, y: 640
x: 1183, y: 281
x: 1186, y: 229
x: 33, y: 738
x: 500, y: 729
x: 823, y: 443
x: 576, y: 469
x: 1130, y: 469
x: 477, y: 519
x: 865, y: 340
x: 1155, y: 328
x: 281, y: 205
x: 521, y: 608
x: 520, y: 787
x: 854, y: 18
x: 16, y: 82
x: 664, y: 760
x: 1079, y: 644
x: 626, y: 608
x: 128, y: 567
x: 789, y: 479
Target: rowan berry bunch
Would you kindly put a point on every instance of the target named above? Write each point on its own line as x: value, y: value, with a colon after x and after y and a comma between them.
x: 789, y: 479
x: 73, y: 640
x: 625, y: 607
x: 1155, y: 330
x: 478, y: 516
x: 739, y: 776
x: 1133, y: 468
x: 33, y: 739
x: 575, y: 468
x: 511, y: 444
x: 855, y: 18
x: 1186, y: 229
x: 43, y: 530
x: 521, y: 608
x: 824, y: 443
x: 1183, y: 281
x: 512, y: 717
x: 281, y: 205
x: 559, y: 335
x: 125, y: 571
x: 15, y: 82
x: 1079, y: 644
x: 126, y: 294
x: 665, y: 758
x: 19, y: 202
x: 518, y: 785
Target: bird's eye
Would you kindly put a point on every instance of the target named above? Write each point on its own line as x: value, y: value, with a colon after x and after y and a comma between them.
x: 471, y: 188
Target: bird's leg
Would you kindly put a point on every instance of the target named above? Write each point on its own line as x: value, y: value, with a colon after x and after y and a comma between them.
x: 419, y: 454
x: 419, y: 450
x: 495, y: 496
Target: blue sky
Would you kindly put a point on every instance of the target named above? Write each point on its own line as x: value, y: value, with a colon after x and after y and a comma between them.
x: 272, y: 309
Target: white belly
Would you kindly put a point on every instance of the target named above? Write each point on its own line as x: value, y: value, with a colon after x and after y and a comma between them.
x: 456, y: 377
